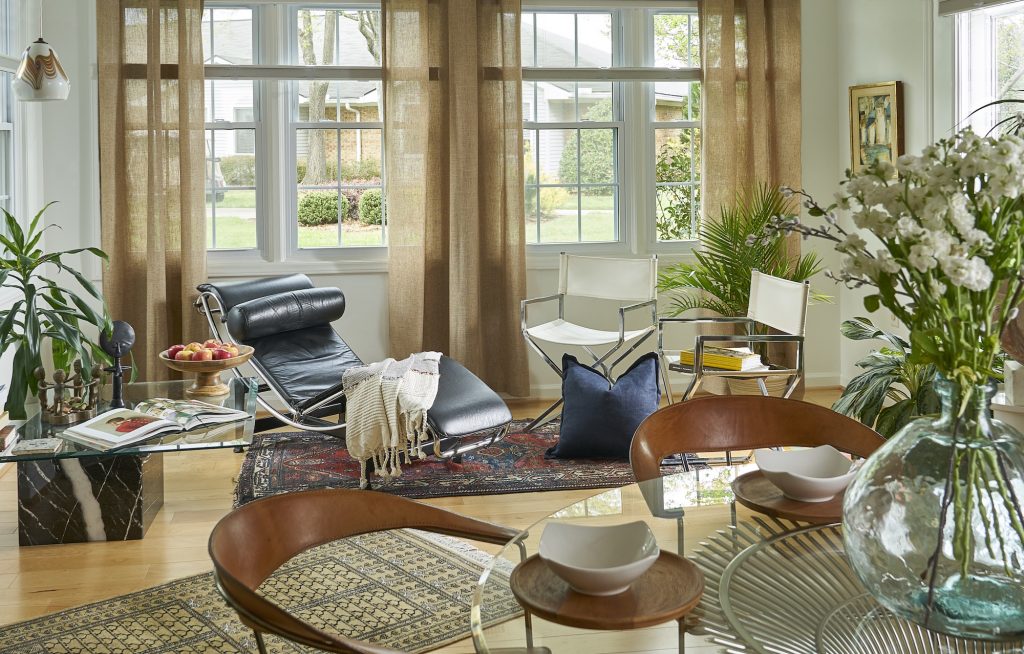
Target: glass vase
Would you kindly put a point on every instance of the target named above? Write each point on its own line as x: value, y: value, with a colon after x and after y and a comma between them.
x: 932, y: 523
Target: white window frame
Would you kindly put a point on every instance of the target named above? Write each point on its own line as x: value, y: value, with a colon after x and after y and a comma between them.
x: 10, y: 194
x: 632, y: 77
x: 981, y: 80
x: 275, y: 40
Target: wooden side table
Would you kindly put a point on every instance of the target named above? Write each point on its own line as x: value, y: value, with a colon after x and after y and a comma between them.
x: 669, y: 590
x: 754, y: 491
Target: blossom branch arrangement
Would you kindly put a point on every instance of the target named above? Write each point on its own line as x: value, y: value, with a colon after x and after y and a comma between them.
x: 939, y: 242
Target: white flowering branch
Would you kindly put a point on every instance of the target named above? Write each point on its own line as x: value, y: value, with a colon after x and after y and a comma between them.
x: 948, y: 234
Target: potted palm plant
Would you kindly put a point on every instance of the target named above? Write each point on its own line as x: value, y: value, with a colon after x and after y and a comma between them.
x: 45, y: 311
x: 719, y: 280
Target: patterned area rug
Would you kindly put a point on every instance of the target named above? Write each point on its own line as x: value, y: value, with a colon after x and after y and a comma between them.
x: 406, y: 590
x: 286, y: 462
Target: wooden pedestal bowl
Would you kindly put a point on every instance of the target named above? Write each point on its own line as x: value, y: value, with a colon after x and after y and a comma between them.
x: 208, y: 382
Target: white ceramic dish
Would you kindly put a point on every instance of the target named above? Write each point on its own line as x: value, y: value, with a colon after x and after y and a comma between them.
x: 601, y: 560
x: 812, y: 475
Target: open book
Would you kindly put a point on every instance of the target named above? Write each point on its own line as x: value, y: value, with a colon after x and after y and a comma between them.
x: 157, y: 417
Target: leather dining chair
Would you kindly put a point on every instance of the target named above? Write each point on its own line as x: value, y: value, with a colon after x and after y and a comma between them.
x: 743, y: 422
x: 253, y: 541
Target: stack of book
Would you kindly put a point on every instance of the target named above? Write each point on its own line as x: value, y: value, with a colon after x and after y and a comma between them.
x: 119, y: 428
x: 8, y: 434
x: 739, y: 359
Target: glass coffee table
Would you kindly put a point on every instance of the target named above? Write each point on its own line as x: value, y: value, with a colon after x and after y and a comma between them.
x: 78, y: 494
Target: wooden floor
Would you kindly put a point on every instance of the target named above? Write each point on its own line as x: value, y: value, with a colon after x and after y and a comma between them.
x: 198, y: 490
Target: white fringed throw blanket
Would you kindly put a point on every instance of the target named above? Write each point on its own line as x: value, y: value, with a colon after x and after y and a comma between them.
x: 386, y: 411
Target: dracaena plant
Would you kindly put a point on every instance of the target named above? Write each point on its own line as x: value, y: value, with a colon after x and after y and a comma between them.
x: 45, y: 311
x: 892, y: 390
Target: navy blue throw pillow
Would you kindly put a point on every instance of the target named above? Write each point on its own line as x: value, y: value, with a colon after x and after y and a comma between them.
x: 597, y: 421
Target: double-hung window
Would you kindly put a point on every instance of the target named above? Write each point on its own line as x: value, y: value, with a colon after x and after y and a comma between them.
x: 294, y: 132
x: 8, y: 109
x: 989, y: 60
x: 611, y: 119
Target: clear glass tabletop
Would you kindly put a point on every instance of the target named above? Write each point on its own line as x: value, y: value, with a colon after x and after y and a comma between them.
x: 242, y: 396
x: 682, y: 510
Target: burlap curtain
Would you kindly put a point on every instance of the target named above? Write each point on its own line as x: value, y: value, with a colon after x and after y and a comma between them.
x: 750, y: 57
x: 750, y: 61
x: 152, y: 162
x: 456, y: 234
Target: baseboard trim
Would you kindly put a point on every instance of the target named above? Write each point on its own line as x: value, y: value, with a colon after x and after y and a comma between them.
x: 812, y: 380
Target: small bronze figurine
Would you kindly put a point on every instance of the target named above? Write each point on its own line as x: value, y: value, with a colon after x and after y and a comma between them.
x: 74, y: 398
x: 118, y: 343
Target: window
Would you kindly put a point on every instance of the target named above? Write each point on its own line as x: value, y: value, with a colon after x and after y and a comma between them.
x: 571, y: 131
x: 611, y: 117
x: 337, y: 132
x: 294, y: 140
x: 989, y: 64
x: 676, y: 129
x: 231, y: 162
x: 8, y: 111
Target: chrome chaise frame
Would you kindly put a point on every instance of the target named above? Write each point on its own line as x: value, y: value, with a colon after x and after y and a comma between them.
x: 208, y: 305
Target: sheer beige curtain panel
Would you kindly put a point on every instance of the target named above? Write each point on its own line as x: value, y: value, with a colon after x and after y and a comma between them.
x: 456, y: 235
x: 751, y: 92
x: 750, y: 61
x: 152, y: 162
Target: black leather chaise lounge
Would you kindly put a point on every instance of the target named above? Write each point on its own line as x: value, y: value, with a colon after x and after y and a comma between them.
x: 300, y: 359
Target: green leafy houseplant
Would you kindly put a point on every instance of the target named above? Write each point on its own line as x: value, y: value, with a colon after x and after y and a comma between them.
x: 719, y: 280
x: 45, y: 309
x: 889, y: 375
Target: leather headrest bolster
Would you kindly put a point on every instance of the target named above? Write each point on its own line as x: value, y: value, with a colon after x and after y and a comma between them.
x: 285, y: 312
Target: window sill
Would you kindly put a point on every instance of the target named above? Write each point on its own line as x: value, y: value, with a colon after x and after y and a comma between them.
x: 219, y: 266
x: 223, y: 265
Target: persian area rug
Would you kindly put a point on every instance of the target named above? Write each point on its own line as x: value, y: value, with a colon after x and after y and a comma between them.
x: 406, y: 590
x: 287, y: 462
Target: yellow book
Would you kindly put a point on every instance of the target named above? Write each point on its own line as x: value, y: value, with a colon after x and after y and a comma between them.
x: 725, y: 358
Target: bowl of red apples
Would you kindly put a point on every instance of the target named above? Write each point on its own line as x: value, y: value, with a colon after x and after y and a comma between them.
x: 207, y: 360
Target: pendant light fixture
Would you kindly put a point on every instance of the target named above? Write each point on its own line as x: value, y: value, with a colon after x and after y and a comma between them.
x: 40, y: 76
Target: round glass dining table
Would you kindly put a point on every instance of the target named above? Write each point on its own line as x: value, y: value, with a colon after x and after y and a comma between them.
x: 771, y: 586
x: 682, y: 510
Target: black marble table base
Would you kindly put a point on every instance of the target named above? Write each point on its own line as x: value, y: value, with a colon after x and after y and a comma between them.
x: 94, y: 498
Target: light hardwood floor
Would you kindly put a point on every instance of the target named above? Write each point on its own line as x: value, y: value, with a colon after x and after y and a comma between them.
x: 35, y: 581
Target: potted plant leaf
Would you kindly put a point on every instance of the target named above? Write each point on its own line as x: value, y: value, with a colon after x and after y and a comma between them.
x: 45, y: 311
x: 719, y: 279
x: 893, y: 390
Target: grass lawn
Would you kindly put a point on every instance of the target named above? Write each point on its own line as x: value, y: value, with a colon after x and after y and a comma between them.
x: 593, y: 202
x: 235, y: 199
x: 562, y: 228
x: 235, y: 233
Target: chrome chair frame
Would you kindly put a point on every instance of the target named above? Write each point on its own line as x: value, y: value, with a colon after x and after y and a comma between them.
x: 698, y: 371
x: 598, y: 359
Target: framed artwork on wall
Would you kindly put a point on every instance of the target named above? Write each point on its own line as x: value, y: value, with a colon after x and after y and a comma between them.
x: 876, y: 123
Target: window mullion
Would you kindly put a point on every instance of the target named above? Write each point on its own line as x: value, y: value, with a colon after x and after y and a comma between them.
x: 277, y: 159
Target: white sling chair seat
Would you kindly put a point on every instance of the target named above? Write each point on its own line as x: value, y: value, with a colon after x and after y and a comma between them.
x: 564, y: 332
x: 630, y: 283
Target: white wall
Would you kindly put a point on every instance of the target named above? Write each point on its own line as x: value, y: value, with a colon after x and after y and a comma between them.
x: 884, y: 40
x: 845, y: 42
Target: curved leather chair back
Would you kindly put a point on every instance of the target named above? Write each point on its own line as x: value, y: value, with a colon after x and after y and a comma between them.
x: 743, y: 422
x: 253, y: 541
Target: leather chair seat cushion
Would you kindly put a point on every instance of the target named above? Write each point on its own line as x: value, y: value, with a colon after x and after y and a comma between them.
x: 303, y: 364
x: 464, y: 404
x: 598, y: 422
x: 290, y: 311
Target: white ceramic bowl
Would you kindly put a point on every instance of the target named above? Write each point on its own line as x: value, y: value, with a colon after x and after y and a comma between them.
x: 813, y: 475
x: 601, y: 560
